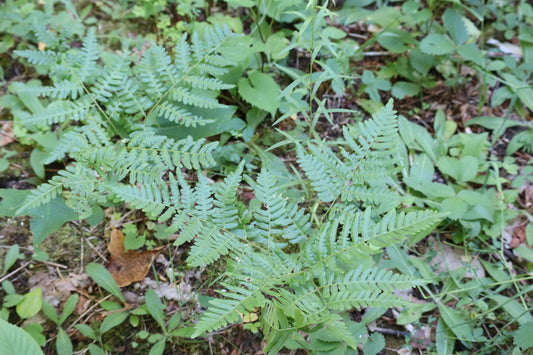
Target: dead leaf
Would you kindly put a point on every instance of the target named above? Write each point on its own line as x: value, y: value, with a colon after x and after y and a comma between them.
x: 449, y: 258
x: 6, y: 135
x: 128, y: 266
x: 421, y: 339
x: 519, y: 235
x: 56, y: 290
x: 181, y: 292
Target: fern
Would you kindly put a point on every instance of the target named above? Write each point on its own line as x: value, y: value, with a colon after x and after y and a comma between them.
x: 300, y: 265
x: 109, y: 100
x: 331, y: 270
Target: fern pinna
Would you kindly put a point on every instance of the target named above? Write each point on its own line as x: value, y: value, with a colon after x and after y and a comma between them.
x: 299, y: 272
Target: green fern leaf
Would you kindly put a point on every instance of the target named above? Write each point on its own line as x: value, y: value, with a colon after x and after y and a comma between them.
x: 86, y: 61
x: 41, y: 195
x: 37, y: 57
x: 60, y: 111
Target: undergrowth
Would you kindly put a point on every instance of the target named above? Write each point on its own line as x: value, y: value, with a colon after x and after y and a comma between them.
x: 224, y: 135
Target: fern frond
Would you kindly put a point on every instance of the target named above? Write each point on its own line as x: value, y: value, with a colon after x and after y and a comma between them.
x: 86, y: 61
x: 132, y: 100
x: 211, y: 243
x: 164, y: 66
x: 364, y: 287
x: 360, y: 235
x: 85, y: 189
x: 364, y: 174
x: 151, y: 199
x: 270, y: 219
x: 60, y: 90
x: 225, y: 214
x: 61, y: 111
x: 204, y: 82
x: 147, y: 71
x: 299, y: 227
x: 255, y: 274
x: 196, y: 98
x: 204, y: 199
x: 80, y: 140
x: 41, y: 195
x: 179, y: 114
x: 188, y: 153
x: 344, y: 300
x: 321, y: 169
x: 121, y: 162
x: 182, y: 59
x: 37, y: 57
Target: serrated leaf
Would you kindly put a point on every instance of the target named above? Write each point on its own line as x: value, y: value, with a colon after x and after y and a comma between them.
x: 455, y: 206
x: 453, y: 21
x: 522, y: 337
x: 104, y: 279
x: 260, y: 90
x: 402, y: 89
x: 471, y: 52
x: 436, y: 44
x: 14, y: 340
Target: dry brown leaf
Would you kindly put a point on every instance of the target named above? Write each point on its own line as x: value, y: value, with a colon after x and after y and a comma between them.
x: 519, y: 235
x: 56, y: 290
x: 128, y: 266
x: 6, y: 133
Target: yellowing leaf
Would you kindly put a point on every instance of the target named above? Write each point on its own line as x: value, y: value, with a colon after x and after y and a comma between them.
x: 249, y: 317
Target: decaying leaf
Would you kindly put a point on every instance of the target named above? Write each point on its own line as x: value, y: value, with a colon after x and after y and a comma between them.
x: 6, y: 133
x: 449, y: 258
x: 128, y: 266
x: 56, y: 290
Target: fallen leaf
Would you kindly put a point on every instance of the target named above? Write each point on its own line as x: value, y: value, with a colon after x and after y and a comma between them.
x: 519, y: 235
x: 56, y: 290
x: 129, y: 266
x: 421, y: 339
x: 449, y: 258
x: 181, y: 292
x: 6, y: 133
